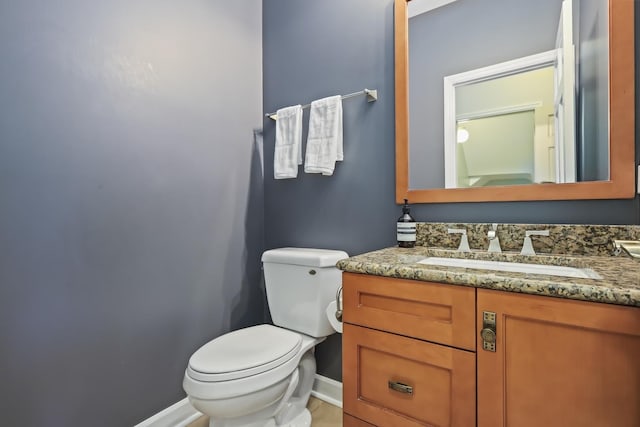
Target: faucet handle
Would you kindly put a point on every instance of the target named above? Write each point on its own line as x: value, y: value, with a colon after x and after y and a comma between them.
x: 464, y: 241
x: 530, y: 233
x: 493, y: 232
x: 527, y: 246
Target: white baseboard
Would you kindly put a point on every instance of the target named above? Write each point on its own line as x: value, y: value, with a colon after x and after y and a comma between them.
x: 328, y: 390
x: 181, y: 414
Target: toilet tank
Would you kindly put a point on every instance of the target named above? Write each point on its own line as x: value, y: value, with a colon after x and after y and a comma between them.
x: 300, y: 283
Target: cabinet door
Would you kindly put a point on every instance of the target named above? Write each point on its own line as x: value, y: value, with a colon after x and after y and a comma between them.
x: 558, y: 363
x: 395, y: 381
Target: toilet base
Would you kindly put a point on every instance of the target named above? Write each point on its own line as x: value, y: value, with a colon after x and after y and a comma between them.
x: 303, y: 419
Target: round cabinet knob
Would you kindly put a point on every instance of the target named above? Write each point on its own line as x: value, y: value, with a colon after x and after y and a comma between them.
x: 488, y: 335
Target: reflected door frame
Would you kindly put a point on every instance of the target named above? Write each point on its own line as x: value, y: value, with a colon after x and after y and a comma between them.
x: 527, y: 63
x: 565, y: 98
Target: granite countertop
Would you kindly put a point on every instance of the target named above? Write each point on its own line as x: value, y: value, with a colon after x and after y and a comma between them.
x: 620, y: 283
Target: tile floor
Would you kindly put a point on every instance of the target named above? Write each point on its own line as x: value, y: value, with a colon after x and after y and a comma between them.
x: 322, y: 414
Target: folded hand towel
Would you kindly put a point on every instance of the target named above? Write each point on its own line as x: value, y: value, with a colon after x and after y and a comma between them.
x: 288, y: 154
x: 324, y: 142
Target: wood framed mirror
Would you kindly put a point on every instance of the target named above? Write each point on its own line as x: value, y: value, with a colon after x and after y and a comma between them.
x: 620, y: 182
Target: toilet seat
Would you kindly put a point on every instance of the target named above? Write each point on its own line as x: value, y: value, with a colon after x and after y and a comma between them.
x: 212, y: 390
x: 244, y: 353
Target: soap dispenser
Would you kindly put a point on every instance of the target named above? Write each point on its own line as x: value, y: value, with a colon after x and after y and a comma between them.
x: 406, y: 228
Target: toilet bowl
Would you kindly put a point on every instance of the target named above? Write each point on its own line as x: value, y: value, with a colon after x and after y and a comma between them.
x: 238, y: 378
x: 262, y: 376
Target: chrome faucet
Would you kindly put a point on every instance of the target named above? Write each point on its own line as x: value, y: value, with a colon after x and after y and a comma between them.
x: 630, y: 247
x: 494, y: 242
x: 527, y: 246
x: 464, y: 242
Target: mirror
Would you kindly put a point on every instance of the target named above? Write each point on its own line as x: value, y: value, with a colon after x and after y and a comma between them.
x: 444, y: 150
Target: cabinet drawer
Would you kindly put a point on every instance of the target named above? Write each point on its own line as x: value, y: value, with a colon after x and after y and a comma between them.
x: 430, y: 311
x: 395, y: 381
x: 349, y: 421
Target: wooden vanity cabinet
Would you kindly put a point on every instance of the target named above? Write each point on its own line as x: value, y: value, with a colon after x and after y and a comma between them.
x: 558, y: 363
x: 408, y: 355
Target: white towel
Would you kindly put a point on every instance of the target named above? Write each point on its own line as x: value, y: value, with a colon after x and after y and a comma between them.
x: 324, y: 142
x: 288, y: 154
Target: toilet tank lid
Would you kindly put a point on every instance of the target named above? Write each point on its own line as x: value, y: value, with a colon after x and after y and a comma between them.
x: 304, y: 256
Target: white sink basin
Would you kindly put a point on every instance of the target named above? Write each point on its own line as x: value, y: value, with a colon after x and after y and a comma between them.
x: 515, y: 267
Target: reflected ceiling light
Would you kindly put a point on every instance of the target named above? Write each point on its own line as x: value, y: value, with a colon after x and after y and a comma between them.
x: 462, y: 136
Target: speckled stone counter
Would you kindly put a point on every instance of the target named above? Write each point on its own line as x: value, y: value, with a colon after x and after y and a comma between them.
x: 620, y: 283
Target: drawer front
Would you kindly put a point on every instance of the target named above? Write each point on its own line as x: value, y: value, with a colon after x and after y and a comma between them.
x: 349, y: 421
x: 444, y: 314
x: 395, y: 381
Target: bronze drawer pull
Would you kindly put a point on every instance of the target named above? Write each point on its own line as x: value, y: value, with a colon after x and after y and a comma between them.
x: 402, y: 388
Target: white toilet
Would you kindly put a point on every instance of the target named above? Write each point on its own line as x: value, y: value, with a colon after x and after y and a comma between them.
x: 262, y: 376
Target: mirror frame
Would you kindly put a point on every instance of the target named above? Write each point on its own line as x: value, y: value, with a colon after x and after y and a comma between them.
x: 622, y: 165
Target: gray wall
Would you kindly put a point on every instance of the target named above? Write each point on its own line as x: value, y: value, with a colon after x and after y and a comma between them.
x: 312, y: 50
x: 131, y: 200
x: 315, y: 49
x: 517, y: 30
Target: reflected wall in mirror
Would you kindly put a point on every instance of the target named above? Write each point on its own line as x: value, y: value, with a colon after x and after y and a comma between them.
x: 450, y: 68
